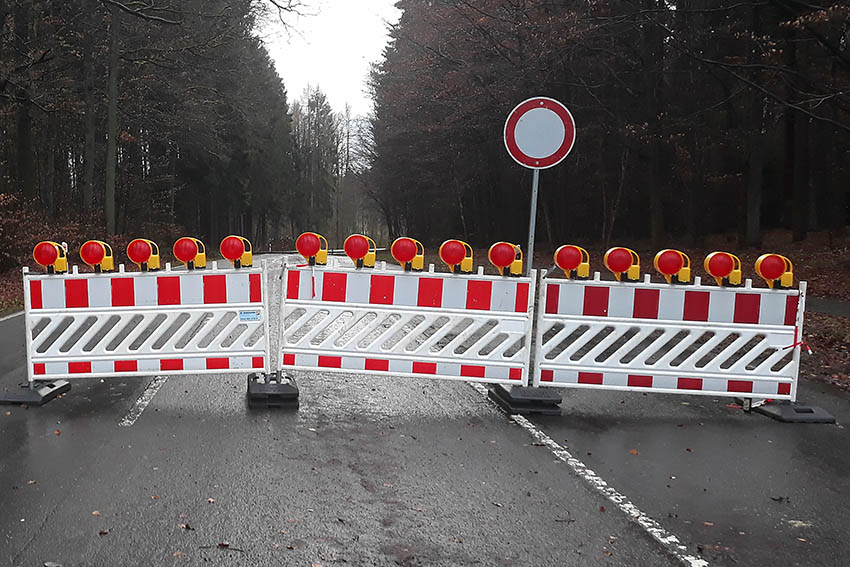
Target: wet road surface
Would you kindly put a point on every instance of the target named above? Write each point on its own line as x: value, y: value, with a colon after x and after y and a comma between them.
x: 383, y: 471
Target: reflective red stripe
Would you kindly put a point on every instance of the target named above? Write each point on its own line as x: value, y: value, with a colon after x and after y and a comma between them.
x: 123, y: 294
x: 472, y: 370
x: 168, y: 291
x: 739, y: 386
x: 330, y: 361
x: 258, y: 362
x: 38, y: 368
x: 640, y: 381
x: 478, y: 294
x: 76, y: 293
x: 596, y: 301
x: 126, y: 366
x: 218, y: 363
x: 521, y: 298
x: 425, y: 367
x: 646, y: 303
x: 381, y: 290
x: 377, y: 364
x: 590, y: 378
x: 747, y: 308
x: 516, y: 374
x: 430, y: 292
x: 255, y: 284
x: 547, y: 375
x: 791, y: 303
x: 171, y: 364
x: 289, y: 359
x: 79, y: 368
x: 293, y: 281
x: 333, y: 287
x: 35, y: 295
x: 696, y: 305
x: 552, y: 297
x: 689, y: 384
x: 215, y: 289
x: 784, y: 389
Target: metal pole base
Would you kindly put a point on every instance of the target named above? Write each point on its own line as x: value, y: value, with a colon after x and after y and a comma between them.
x: 275, y: 390
x: 526, y: 400
x: 792, y: 412
x: 36, y: 394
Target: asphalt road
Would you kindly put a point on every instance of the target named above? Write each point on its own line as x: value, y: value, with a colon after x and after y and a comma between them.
x: 383, y: 471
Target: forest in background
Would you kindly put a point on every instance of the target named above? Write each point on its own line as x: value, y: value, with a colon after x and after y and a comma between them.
x: 122, y: 119
x: 693, y: 117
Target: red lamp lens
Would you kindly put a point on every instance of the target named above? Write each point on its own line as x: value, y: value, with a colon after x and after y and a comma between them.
x: 403, y: 249
x: 670, y: 262
x: 232, y: 248
x: 45, y: 253
x: 139, y: 251
x: 452, y: 252
x: 356, y: 246
x: 772, y: 267
x: 92, y: 253
x: 185, y: 249
x: 502, y: 254
x: 568, y: 257
x: 721, y: 265
x: 619, y: 260
x: 308, y: 244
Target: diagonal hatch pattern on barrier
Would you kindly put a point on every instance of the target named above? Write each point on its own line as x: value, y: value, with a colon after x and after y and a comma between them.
x: 694, y: 339
x: 464, y: 327
x: 142, y: 323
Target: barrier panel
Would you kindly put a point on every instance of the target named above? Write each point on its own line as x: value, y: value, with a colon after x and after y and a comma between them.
x: 685, y: 339
x: 142, y: 323
x: 438, y: 325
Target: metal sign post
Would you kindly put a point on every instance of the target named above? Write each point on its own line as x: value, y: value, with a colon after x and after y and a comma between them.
x: 539, y: 133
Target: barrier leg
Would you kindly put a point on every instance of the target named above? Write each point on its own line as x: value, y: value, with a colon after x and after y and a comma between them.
x: 526, y: 400
x: 273, y: 390
x: 36, y: 393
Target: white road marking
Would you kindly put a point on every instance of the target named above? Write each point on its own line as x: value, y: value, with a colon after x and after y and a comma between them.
x: 143, y: 401
x: 12, y: 316
x: 671, y: 544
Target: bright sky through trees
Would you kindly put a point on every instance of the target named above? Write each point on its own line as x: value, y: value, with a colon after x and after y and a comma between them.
x: 333, y: 48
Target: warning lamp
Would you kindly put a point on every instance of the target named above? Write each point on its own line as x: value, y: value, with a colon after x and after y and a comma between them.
x: 191, y: 252
x: 361, y: 249
x: 144, y: 253
x: 314, y: 247
x: 52, y: 256
x: 457, y: 255
x: 724, y: 267
x: 621, y: 261
x: 408, y: 252
x: 674, y: 265
x: 574, y: 261
x: 98, y: 255
x: 507, y: 258
x: 237, y: 249
x: 774, y: 268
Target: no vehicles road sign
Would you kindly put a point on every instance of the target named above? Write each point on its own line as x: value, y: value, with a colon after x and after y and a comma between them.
x: 539, y: 133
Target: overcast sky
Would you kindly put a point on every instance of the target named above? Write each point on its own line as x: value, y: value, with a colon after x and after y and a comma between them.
x: 333, y: 49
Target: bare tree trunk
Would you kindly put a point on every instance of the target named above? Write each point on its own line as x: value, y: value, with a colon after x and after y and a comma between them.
x: 112, y: 121
x: 90, y: 124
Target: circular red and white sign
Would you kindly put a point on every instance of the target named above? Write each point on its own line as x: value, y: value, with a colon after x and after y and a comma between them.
x: 540, y: 132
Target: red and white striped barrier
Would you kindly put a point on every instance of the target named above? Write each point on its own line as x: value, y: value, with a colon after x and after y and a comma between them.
x: 142, y: 323
x: 413, y: 324
x: 691, y: 339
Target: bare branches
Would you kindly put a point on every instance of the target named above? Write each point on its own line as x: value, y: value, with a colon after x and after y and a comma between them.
x: 142, y: 10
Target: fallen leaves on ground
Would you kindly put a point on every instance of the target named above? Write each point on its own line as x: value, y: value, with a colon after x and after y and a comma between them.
x: 96, y: 513
x: 103, y: 532
x: 634, y: 452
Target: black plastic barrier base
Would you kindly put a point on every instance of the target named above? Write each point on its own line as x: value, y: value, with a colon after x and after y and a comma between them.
x: 36, y: 394
x: 792, y: 412
x: 525, y: 400
x: 275, y: 390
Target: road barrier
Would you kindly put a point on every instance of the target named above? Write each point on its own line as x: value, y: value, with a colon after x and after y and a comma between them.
x: 673, y: 338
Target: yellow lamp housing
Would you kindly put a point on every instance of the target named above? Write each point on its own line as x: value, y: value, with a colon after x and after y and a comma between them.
x: 98, y: 255
x: 237, y: 249
x: 191, y: 252
x: 506, y: 258
x: 623, y: 261
x: 51, y: 255
x: 322, y: 254
x: 456, y: 264
x: 776, y: 270
x: 401, y: 252
x: 369, y: 259
x: 516, y: 265
x: 724, y: 267
x: 145, y: 254
x: 573, y: 260
x: 674, y: 265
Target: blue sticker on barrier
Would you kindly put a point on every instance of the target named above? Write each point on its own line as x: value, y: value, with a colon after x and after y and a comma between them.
x: 249, y: 316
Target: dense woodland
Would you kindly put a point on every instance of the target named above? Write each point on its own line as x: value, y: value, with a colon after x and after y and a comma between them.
x: 693, y: 117
x: 122, y: 119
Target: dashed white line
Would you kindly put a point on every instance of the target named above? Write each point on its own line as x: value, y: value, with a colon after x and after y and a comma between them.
x: 670, y: 542
x: 143, y: 401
